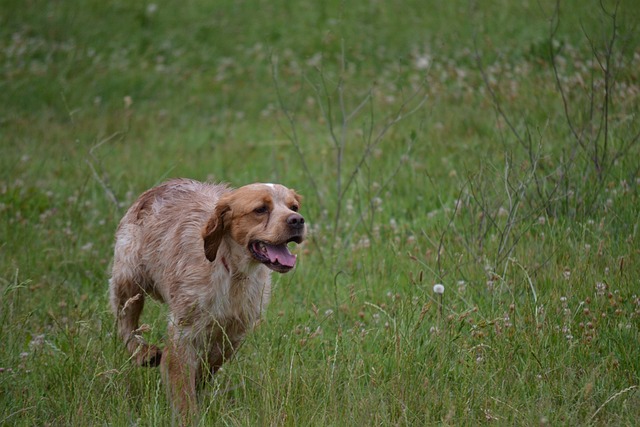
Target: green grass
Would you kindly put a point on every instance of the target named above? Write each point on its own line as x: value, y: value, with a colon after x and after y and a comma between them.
x: 535, y: 243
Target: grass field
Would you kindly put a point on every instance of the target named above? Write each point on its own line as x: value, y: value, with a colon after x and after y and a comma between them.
x: 491, y: 148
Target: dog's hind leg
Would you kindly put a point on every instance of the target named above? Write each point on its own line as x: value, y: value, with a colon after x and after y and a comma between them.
x: 127, y: 302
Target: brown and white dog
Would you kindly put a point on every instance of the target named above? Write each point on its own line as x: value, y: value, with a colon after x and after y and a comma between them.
x: 207, y: 251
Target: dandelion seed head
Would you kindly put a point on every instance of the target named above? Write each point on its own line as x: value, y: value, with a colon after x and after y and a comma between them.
x: 423, y: 62
x: 438, y: 288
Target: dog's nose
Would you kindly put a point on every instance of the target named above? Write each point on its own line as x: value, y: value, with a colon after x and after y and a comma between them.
x: 295, y: 221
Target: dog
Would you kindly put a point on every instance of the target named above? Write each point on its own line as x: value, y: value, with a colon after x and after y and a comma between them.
x: 207, y: 251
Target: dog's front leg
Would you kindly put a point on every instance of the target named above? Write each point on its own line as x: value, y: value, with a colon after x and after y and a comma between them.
x: 180, y: 370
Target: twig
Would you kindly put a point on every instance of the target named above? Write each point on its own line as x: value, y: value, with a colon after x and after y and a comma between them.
x: 110, y: 194
x: 293, y: 136
x: 338, y: 129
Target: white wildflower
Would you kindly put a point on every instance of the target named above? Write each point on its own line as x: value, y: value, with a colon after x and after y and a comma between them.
x: 423, y: 62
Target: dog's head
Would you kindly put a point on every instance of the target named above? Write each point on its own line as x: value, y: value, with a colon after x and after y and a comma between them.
x: 263, y: 219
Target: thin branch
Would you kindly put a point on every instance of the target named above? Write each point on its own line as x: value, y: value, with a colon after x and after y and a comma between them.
x: 397, y: 118
x: 555, y: 23
x: 293, y: 136
x: 494, y: 97
x: 93, y: 161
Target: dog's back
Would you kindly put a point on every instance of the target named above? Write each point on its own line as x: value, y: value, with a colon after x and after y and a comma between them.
x: 164, y: 226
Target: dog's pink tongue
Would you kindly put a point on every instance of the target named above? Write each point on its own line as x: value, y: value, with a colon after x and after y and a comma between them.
x: 281, y: 254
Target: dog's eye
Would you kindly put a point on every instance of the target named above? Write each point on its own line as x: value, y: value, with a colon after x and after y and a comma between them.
x: 294, y: 208
x: 261, y: 210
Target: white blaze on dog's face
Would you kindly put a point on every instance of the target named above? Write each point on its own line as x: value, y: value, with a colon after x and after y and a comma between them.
x: 262, y: 218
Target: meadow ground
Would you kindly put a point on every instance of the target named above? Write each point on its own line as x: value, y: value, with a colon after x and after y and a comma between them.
x: 492, y: 149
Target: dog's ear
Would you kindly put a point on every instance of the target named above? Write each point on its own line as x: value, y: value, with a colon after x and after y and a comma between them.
x: 214, y: 230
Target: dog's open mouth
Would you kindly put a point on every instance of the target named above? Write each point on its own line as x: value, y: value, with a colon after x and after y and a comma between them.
x: 276, y: 257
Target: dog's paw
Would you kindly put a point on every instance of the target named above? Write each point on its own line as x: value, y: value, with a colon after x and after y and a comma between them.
x: 149, y: 356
